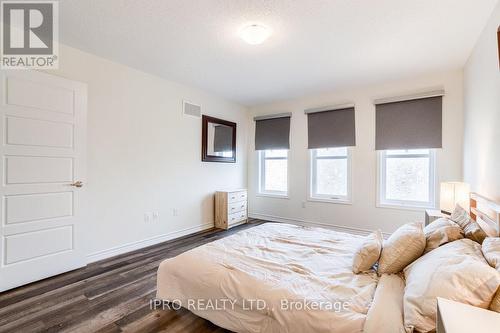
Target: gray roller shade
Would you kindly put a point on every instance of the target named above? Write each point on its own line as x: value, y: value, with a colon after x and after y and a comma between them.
x: 333, y: 128
x: 223, y: 138
x: 413, y: 124
x: 272, y: 133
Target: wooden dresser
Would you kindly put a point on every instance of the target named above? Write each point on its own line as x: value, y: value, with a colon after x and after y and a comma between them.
x: 230, y: 208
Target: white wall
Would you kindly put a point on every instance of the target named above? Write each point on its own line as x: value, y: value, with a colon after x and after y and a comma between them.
x: 145, y: 156
x: 482, y: 113
x: 363, y: 213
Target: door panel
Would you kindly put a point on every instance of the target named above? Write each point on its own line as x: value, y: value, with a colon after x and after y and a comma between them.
x: 42, y: 243
x: 43, y: 128
x: 32, y: 132
x: 40, y: 169
x: 23, y: 91
x: 42, y: 206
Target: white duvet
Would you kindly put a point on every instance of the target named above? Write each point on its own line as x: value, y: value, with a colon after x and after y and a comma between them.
x: 274, y: 278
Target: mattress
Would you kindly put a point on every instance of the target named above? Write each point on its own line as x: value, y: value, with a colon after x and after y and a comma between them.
x: 273, y: 278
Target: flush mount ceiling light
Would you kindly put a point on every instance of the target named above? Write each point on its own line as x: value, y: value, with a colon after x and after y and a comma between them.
x: 255, y: 33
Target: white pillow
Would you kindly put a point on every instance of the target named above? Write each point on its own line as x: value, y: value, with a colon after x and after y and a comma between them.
x: 404, y: 246
x: 455, y: 271
x: 368, y: 253
x: 440, y: 232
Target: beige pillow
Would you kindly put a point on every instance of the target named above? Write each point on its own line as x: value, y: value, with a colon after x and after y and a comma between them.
x: 368, y: 253
x: 440, y: 232
x: 471, y: 229
x: 455, y: 271
x: 385, y: 314
x: 491, y: 251
x: 495, y: 303
x: 404, y: 246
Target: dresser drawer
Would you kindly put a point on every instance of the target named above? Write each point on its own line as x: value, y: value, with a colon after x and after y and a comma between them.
x: 236, y: 207
x: 236, y: 217
x: 236, y: 196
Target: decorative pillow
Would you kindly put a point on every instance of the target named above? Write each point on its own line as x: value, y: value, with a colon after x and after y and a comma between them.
x: 368, y: 253
x: 471, y: 229
x: 404, y: 246
x: 456, y: 271
x: 440, y: 232
x: 491, y: 251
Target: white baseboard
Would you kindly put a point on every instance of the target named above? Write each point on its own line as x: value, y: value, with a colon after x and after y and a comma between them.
x: 280, y: 219
x: 114, y: 251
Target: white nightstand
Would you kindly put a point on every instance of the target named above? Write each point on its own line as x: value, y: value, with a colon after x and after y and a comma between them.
x: 454, y: 317
x: 433, y: 214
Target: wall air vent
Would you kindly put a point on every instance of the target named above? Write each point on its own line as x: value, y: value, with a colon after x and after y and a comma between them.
x: 191, y: 109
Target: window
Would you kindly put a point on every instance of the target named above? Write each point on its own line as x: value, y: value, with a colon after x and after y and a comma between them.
x: 406, y: 178
x: 330, y: 174
x: 273, y: 172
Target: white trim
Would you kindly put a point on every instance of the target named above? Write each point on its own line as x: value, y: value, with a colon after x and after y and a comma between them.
x: 280, y: 219
x: 329, y: 199
x: 330, y: 108
x: 114, y: 251
x: 402, y: 204
x: 261, y: 169
x: 272, y: 195
x: 428, y: 94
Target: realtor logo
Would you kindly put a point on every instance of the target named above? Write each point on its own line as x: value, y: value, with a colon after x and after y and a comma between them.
x: 29, y: 34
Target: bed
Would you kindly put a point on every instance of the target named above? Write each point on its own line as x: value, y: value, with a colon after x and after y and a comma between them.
x: 278, y: 277
x: 283, y: 278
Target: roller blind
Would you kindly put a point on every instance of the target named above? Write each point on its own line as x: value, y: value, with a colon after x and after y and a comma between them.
x: 272, y: 132
x: 411, y: 124
x: 331, y: 128
x: 223, y: 138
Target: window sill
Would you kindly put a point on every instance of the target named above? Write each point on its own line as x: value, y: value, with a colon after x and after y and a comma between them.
x: 331, y: 201
x: 273, y: 195
x: 404, y: 207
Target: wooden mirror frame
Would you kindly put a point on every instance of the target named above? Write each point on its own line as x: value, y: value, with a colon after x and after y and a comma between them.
x: 204, y: 144
x: 498, y: 41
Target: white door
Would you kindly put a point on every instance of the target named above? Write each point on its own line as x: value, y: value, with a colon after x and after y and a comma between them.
x: 42, y: 129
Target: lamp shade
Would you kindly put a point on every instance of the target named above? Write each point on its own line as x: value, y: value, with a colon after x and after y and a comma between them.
x: 453, y: 193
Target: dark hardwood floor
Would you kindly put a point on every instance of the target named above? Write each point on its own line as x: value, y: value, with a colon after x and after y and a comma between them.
x: 111, y: 295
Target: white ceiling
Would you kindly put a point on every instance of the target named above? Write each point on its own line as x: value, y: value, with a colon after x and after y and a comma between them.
x: 316, y: 46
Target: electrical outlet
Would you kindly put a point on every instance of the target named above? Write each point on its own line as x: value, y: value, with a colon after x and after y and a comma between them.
x: 175, y: 212
x: 156, y: 216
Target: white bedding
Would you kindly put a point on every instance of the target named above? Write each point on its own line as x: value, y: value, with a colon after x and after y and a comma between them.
x: 276, y: 264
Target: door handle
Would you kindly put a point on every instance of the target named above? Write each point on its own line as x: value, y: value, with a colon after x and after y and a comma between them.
x: 77, y: 184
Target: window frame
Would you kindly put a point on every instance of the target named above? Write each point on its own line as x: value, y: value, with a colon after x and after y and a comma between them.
x: 383, y: 202
x: 312, y: 195
x: 262, y: 165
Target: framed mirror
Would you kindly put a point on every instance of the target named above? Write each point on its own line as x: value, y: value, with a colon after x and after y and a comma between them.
x: 218, y: 140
